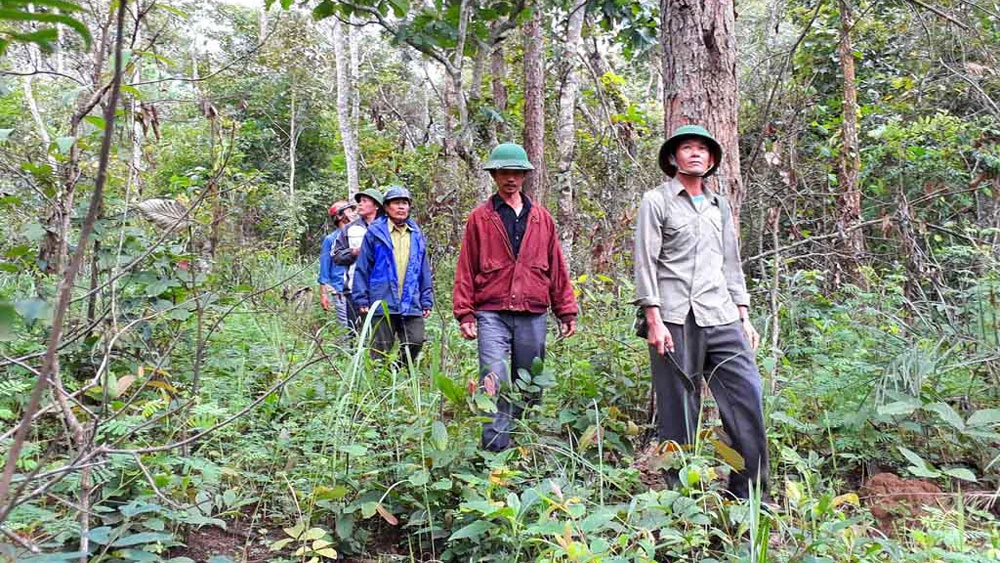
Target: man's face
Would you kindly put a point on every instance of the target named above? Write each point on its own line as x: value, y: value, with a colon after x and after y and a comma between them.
x: 398, y: 210
x: 693, y: 155
x: 367, y: 207
x: 347, y: 215
x: 509, y: 182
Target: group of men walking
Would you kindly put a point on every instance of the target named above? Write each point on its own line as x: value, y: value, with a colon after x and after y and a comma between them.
x: 694, y: 305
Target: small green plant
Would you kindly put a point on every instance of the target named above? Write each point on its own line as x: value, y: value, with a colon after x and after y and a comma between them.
x: 311, y: 542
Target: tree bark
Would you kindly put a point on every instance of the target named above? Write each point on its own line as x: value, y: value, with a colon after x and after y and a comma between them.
x: 291, y: 146
x: 345, y: 97
x: 852, y: 243
x: 498, y: 77
x: 566, y: 132
x: 534, y: 105
x: 699, y: 75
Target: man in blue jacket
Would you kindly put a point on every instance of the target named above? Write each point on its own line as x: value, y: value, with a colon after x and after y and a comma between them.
x: 393, y: 268
x: 331, y: 274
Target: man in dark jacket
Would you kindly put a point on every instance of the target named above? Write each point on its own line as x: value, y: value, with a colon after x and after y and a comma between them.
x: 510, y: 272
x: 347, y: 247
x: 392, y: 268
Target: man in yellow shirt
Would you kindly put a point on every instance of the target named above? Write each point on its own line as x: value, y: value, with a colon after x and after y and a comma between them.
x: 393, y: 274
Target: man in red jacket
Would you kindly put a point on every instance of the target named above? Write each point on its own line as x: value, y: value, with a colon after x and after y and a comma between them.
x: 510, y: 272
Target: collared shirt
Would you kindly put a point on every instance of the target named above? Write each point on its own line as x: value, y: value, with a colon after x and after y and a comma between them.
x: 687, y: 257
x: 400, y: 235
x: 513, y: 223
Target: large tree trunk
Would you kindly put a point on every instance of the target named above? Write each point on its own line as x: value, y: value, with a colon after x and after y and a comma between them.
x: 534, y: 105
x: 345, y: 95
x: 852, y: 243
x: 699, y: 75
x: 566, y: 132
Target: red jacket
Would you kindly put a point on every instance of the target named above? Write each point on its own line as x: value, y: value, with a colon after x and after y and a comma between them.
x: 489, y: 278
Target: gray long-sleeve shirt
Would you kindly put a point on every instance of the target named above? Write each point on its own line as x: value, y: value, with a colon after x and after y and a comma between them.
x: 688, y: 257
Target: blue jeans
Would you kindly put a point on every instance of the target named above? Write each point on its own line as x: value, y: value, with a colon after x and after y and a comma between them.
x: 508, y: 342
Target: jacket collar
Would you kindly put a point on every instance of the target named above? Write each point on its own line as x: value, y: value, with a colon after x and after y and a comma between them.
x: 675, y: 188
x: 380, y: 227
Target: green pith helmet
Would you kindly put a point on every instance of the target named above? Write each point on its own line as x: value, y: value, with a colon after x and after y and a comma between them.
x: 684, y: 132
x: 370, y: 192
x: 508, y: 156
x: 396, y: 192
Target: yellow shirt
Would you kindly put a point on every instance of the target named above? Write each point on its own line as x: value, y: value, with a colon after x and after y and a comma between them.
x: 400, y: 235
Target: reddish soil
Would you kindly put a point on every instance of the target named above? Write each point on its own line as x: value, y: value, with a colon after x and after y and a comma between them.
x: 890, y: 497
x: 208, y: 541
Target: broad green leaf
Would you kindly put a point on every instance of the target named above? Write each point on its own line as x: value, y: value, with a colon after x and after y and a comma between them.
x: 472, y: 531
x: 74, y: 24
x: 141, y: 538
x: 353, y: 449
x: 920, y: 468
x: 313, y: 534
x: 64, y: 144
x: 439, y: 435
x: 947, y: 414
x: 280, y: 544
x: 961, y: 473
x: 7, y: 316
x: 485, y: 403
x: 140, y: 556
x: 296, y: 530
x: 96, y: 121
x: 54, y: 557
x: 984, y: 417
x: 899, y: 407
x: 420, y: 478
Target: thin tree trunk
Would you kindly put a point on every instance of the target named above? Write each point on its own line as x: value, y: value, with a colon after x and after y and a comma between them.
x: 566, y: 132
x: 292, y: 137
x: 498, y: 78
x: 852, y: 244
x: 534, y: 105
x: 344, y: 102
x: 699, y: 75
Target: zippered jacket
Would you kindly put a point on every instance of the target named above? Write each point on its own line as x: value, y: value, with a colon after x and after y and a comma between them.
x: 489, y: 277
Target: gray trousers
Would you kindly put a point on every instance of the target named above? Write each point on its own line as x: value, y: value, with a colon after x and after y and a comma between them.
x: 507, y: 342
x: 340, y: 305
x: 722, y: 356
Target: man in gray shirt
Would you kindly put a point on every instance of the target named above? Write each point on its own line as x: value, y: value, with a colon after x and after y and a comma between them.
x: 689, y: 282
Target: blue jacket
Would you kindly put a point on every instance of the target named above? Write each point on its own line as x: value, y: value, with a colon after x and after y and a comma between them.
x: 375, y: 275
x: 331, y: 273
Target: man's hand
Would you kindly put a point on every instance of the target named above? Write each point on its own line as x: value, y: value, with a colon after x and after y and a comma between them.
x: 363, y: 310
x: 427, y: 313
x: 468, y: 330
x: 324, y: 301
x: 355, y: 251
x: 568, y: 328
x: 658, y: 337
x: 752, y: 337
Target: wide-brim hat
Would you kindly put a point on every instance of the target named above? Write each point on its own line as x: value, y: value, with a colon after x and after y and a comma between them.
x: 370, y: 192
x: 669, y: 146
x: 508, y: 156
x: 396, y: 192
